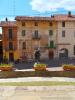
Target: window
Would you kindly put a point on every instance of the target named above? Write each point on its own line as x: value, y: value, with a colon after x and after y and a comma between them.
x: 10, y: 33
x: 23, y: 24
x: 63, y: 24
x: 36, y: 33
x: 50, y: 24
x: 51, y: 44
x: 63, y: 33
x: 10, y: 46
x: 23, y: 32
x: 50, y: 32
x: 24, y: 45
x: 36, y: 23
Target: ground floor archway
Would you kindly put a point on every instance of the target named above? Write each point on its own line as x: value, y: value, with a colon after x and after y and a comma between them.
x: 63, y: 53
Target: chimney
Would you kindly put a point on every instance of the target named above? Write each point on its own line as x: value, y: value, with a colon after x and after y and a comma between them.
x: 69, y: 14
x: 6, y: 19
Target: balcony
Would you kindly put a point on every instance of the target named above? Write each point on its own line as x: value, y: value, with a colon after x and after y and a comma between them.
x: 10, y: 49
x: 51, y: 46
x: 36, y: 37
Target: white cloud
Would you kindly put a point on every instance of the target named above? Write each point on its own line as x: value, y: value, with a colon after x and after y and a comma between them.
x: 52, y: 5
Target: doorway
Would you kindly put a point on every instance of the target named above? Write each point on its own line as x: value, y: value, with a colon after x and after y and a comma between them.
x: 63, y: 53
x: 51, y: 54
x: 11, y: 57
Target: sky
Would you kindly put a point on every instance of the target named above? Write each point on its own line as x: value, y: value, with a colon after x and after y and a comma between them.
x: 12, y: 8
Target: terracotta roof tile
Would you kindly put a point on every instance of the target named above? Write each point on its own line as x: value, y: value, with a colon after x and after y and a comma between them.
x: 22, y: 18
x: 64, y: 18
x: 7, y: 23
x: 53, y: 18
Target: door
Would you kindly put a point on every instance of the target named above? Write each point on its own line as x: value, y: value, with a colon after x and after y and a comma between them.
x: 11, y: 57
x: 51, y: 55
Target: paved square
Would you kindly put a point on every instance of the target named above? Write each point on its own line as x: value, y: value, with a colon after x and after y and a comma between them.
x: 37, y: 93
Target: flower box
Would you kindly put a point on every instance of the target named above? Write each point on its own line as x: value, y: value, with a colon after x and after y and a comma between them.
x: 68, y: 67
x: 40, y: 67
x: 6, y: 67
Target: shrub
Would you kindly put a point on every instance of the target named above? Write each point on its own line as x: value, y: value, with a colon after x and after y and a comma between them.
x: 68, y: 67
x: 6, y: 67
x: 39, y: 66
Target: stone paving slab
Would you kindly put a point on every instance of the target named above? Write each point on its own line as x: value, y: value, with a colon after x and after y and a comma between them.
x: 37, y: 93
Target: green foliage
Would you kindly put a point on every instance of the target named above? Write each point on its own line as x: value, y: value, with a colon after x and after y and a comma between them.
x: 6, y: 65
x: 40, y: 65
x: 68, y: 67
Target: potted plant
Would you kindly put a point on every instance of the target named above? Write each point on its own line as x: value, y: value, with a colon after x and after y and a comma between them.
x: 40, y: 67
x: 68, y: 67
x: 6, y: 67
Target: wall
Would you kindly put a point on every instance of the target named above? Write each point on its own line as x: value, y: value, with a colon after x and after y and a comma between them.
x: 69, y: 39
x: 6, y: 42
x: 43, y: 28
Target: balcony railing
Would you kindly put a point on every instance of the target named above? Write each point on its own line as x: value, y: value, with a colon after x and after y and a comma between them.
x: 10, y: 49
x: 51, y: 46
x: 38, y: 37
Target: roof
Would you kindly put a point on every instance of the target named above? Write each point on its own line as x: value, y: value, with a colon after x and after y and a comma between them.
x: 8, y: 23
x: 27, y: 18
x: 58, y: 17
x: 62, y: 17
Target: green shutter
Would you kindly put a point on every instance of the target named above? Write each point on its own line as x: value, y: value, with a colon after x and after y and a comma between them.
x: 51, y: 44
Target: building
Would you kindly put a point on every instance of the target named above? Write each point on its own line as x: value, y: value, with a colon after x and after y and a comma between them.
x: 54, y: 36
x: 65, y: 35
x: 9, y: 38
x: 36, y: 32
x: 1, y: 48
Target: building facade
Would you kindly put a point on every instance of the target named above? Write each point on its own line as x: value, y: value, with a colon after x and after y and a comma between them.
x: 54, y: 36
x: 9, y: 38
x: 65, y: 35
x: 34, y: 33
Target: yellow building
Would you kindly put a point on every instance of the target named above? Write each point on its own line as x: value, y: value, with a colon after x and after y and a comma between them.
x: 9, y: 38
x: 36, y: 32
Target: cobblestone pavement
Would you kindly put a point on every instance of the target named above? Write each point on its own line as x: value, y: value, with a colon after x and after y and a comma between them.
x: 37, y: 93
